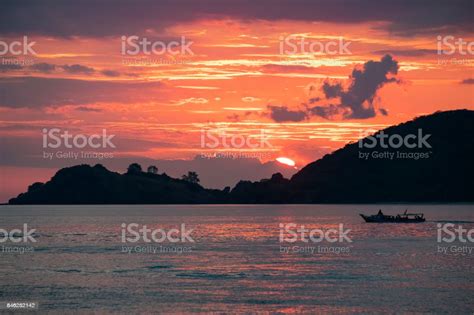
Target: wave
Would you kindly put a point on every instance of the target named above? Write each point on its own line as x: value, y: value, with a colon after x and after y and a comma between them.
x: 200, y: 274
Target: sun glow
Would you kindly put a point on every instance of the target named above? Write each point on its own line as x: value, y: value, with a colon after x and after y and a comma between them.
x: 286, y: 161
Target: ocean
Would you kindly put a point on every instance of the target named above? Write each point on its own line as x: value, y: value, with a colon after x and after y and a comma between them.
x: 236, y: 258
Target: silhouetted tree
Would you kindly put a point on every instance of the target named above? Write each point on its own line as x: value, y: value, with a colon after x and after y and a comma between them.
x: 192, y: 177
x: 134, y: 168
x: 152, y: 169
x: 35, y: 186
x: 277, y: 177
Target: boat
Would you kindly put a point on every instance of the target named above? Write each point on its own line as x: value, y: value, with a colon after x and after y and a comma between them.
x: 380, y: 217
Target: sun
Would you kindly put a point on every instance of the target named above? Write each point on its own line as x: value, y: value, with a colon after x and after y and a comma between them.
x: 286, y: 161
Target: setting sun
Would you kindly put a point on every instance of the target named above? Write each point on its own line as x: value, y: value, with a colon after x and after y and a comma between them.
x: 286, y: 161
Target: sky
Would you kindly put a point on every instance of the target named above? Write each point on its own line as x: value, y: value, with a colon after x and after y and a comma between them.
x: 221, y: 87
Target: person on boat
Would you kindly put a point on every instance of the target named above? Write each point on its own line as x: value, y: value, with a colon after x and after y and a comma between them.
x: 380, y: 213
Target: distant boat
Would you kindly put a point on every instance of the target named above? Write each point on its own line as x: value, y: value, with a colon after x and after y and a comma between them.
x: 399, y: 218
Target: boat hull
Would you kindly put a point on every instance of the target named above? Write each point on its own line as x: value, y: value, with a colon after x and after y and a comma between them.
x: 390, y: 219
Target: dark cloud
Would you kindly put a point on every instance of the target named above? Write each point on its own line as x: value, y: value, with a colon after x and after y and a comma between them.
x: 110, y: 73
x: 332, y: 90
x: 237, y: 117
x: 132, y: 75
x: 406, y: 52
x: 39, y: 92
x: 314, y: 100
x: 78, y: 69
x: 88, y: 109
x: 325, y: 111
x: 354, y: 102
x: 12, y: 67
x: 283, y: 114
x: 99, y: 18
x: 273, y: 68
x: 43, y: 67
x: 467, y: 81
x: 234, y: 117
x: 357, y: 101
x: 383, y: 111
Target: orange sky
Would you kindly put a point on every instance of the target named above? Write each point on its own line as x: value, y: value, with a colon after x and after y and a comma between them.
x: 236, y: 72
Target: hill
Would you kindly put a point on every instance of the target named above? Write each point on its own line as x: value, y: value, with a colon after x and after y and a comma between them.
x: 440, y: 170
x: 84, y: 184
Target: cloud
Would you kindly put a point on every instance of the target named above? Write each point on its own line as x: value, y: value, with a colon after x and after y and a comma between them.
x: 274, y: 68
x: 354, y: 102
x: 314, y: 100
x: 234, y: 117
x: 88, y: 109
x: 467, y: 81
x: 283, y: 114
x: 407, y: 52
x: 110, y: 73
x: 40, y: 92
x: 99, y: 19
x: 358, y: 100
x: 325, y: 111
x: 331, y: 91
x: 237, y: 117
x: 7, y: 67
x: 250, y: 99
x: 77, y: 69
x: 43, y: 67
x: 192, y: 100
